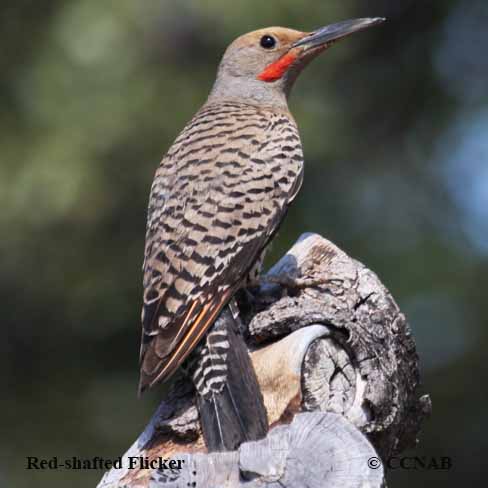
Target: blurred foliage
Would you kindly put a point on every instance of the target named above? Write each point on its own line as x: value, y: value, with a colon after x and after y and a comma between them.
x: 394, y: 125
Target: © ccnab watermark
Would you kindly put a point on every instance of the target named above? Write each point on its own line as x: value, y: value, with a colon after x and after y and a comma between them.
x: 413, y: 463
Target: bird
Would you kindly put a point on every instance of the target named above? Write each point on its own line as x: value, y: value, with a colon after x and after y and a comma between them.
x: 217, y: 200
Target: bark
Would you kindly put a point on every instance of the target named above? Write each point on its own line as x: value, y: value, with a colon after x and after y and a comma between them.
x: 338, y: 368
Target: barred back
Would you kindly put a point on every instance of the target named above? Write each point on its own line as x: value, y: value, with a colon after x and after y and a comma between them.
x: 217, y: 199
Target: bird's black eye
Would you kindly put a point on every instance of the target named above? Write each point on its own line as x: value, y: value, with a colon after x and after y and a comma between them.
x: 268, y: 42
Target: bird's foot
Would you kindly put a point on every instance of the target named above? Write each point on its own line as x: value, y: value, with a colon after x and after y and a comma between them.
x: 295, y: 283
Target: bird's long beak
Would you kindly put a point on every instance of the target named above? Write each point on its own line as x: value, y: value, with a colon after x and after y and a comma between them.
x: 332, y: 33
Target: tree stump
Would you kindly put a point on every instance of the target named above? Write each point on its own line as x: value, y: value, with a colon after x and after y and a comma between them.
x: 338, y: 369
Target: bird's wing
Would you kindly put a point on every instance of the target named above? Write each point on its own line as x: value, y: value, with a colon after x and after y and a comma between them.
x: 213, y: 208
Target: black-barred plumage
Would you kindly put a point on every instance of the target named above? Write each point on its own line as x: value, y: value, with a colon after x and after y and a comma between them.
x: 211, y: 369
x: 214, y: 207
x: 218, y: 198
x: 229, y: 401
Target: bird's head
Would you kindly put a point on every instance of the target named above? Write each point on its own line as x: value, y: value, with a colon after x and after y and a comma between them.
x: 262, y: 65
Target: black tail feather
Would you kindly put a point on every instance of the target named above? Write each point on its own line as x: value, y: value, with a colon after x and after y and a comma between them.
x: 230, y: 402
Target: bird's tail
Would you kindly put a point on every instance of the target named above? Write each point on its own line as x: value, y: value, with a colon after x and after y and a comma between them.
x: 230, y: 402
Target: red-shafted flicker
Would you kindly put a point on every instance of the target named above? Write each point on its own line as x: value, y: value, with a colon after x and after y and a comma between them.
x: 218, y: 198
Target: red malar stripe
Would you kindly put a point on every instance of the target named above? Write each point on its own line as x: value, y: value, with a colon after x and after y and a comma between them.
x: 277, y: 69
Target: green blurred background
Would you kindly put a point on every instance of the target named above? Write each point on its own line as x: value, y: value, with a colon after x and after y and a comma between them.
x: 394, y: 123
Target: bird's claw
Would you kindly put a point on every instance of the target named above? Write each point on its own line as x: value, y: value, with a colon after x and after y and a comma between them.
x: 295, y: 283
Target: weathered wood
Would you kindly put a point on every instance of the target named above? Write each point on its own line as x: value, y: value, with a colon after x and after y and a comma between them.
x: 370, y: 355
x: 278, y: 367
x: 323, y: 449
x: 332, y: 343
